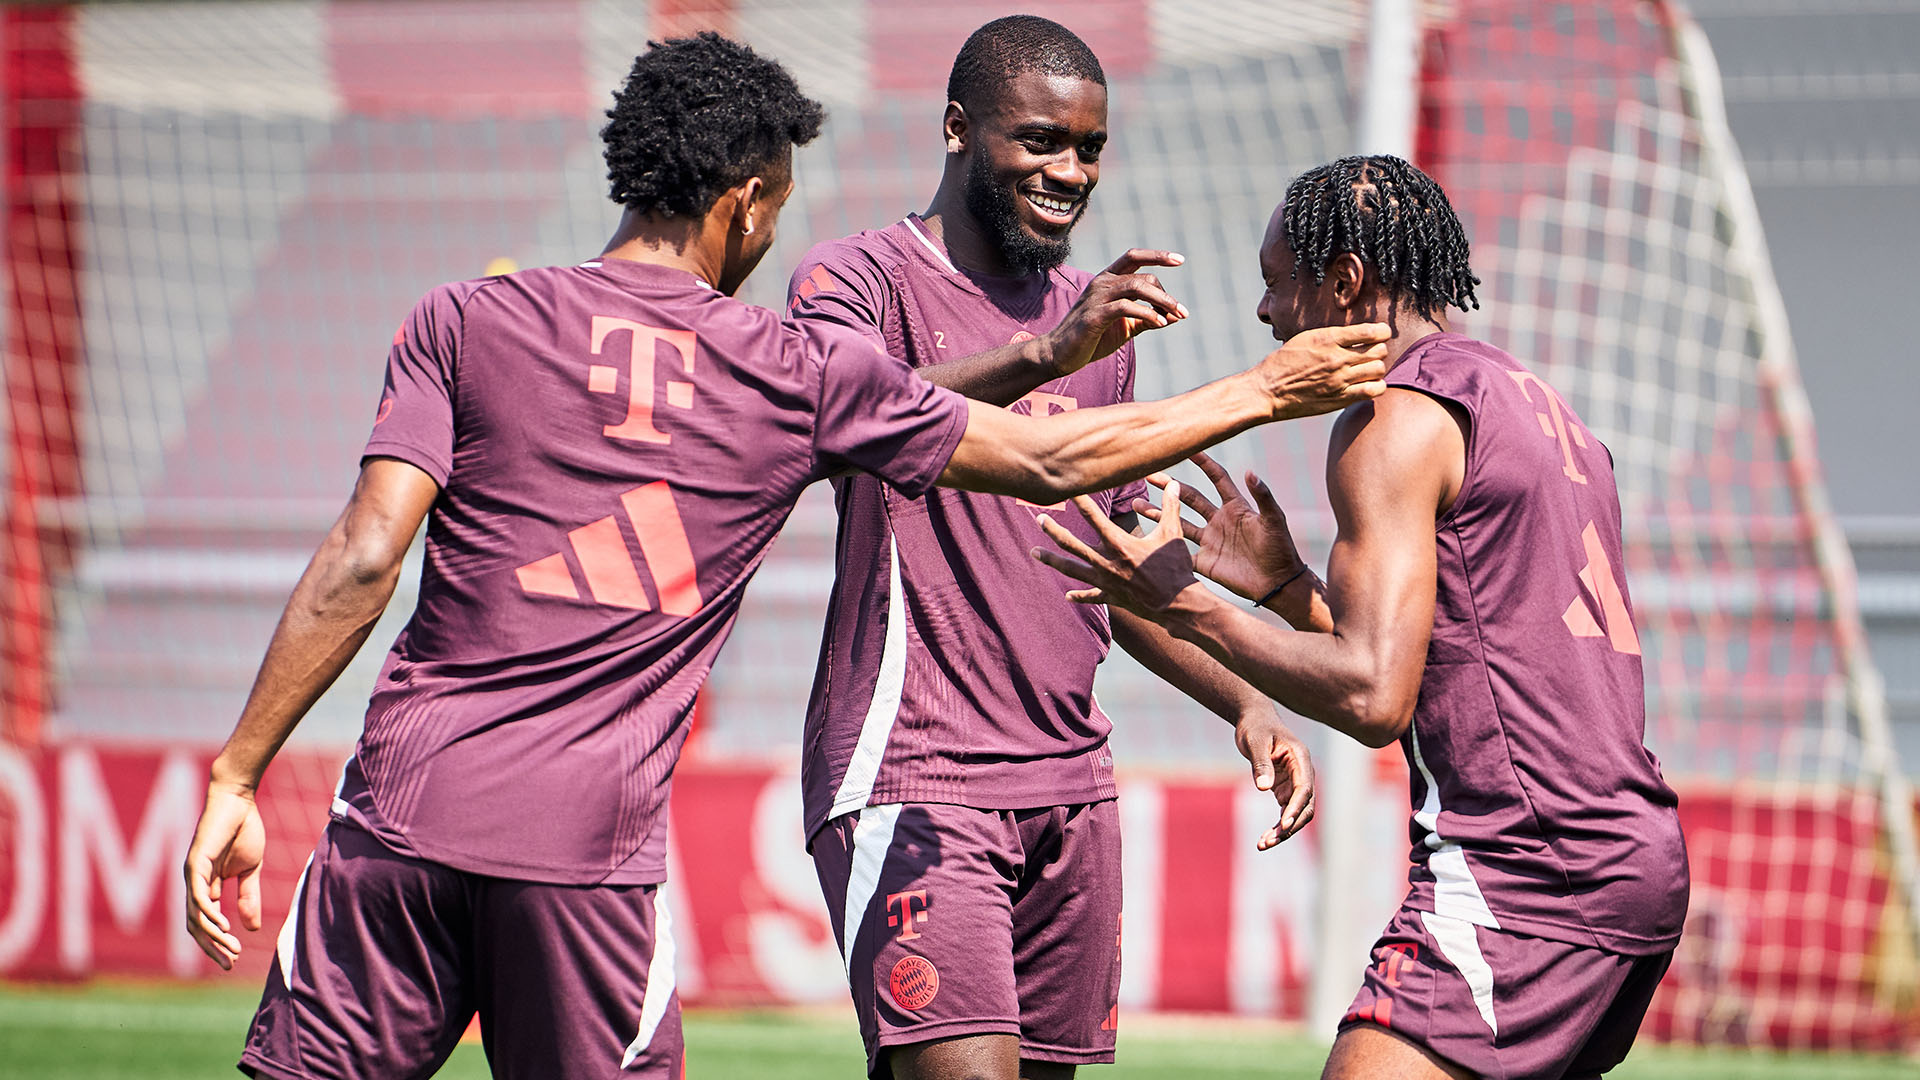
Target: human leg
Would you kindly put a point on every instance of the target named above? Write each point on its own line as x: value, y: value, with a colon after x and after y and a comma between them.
x: 920, y: 898
x: 1491, y: 1002
x: 577, y: 981
x: 1066, y: 936
x: 370, y: 975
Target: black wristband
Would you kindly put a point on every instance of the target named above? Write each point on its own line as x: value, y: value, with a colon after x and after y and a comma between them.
x: 1262, y: 602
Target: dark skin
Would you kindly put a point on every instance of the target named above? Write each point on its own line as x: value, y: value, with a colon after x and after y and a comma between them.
x: 352, y: 576
x: 1394, y: 469
x: 1043, y: 135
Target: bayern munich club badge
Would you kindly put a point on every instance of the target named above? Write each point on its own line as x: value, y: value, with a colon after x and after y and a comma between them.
x: 914, y: 982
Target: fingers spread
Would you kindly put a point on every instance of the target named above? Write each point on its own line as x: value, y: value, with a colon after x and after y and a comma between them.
x: 1058, y: 533
x: 1170, y: 522
x: 1073, y: 568
x: 1263, y: 497
x: 1102, y: 524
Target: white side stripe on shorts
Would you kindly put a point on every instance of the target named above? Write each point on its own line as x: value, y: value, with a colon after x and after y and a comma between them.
x: 660, y: 980
x: 290, y: 930
x: 1461, y: 946
x: 872, y: 839
x: 1455, y: 892
x: 863, y: 768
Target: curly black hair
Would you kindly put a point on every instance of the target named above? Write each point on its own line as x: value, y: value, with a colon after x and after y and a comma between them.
x: 1007, y: 47
x: 1390, y: 214
x: 697, y: 116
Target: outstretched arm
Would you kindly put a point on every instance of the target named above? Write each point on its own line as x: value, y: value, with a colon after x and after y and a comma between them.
x: 1396, y: 464
x: 1116, y: 306
x: 333, y: 608
x: 1047, y: 459
x: 1246, y: 546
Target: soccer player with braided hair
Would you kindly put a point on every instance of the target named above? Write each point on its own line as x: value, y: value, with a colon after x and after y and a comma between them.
x: 602, y: 454
x: 1475, y: 611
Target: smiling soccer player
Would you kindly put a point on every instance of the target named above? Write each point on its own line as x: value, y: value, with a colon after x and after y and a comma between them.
x: 602, y: 454
x: 959, y: 788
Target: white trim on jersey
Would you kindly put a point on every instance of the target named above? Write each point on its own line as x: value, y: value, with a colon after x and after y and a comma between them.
x: 1456, y: 894
x: 1460, y: 944
x: 290, y: 930
x: 660, y: 980
x: 339, y: 805
x: 863, y: 768
x: 872, y: 839
x: 928, y: 243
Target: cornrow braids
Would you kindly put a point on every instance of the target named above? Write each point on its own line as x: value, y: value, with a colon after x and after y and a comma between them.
x: 1391, y: 215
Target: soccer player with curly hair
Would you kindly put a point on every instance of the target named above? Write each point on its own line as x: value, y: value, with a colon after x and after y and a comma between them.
x: 960, y: 801
x: 602, y: 454
x: 1475, y: 612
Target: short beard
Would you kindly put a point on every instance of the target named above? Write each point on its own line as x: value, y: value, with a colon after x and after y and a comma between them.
x: 992, y: 205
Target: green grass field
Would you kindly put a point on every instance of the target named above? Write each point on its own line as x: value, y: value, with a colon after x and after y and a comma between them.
x: 159, y: 1031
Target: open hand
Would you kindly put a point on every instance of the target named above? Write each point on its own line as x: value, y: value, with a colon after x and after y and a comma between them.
x: 229, y: 842
x: 1117, y: 305
x: 1325, y: 370
x: 1143, y: 574
x: 1280, y: 765
x: 1243, y: 545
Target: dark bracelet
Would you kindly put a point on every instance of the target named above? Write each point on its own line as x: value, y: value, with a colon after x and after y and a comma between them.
x: 1277, y: 589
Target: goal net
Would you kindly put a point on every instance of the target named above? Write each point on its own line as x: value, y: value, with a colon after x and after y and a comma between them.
x: 217, y: 213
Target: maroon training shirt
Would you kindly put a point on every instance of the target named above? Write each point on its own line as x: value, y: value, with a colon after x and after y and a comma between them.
x: 953, y: 670
x: 1536, y: 807
x: 616, y: 445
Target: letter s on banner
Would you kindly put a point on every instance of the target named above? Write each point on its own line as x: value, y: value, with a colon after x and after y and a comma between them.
x: 27, y: 908
x: 793, y: 946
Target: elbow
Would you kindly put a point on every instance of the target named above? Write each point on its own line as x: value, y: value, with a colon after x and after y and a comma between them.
x: 1057, y: 478
x: 365, y: 563
x: 1374, y: 720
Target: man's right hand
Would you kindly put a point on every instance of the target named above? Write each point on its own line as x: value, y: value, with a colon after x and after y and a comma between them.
x: 229, y: 842
x: 1240, y: 543
x: 1326, y: 370
x: 1117, y: 305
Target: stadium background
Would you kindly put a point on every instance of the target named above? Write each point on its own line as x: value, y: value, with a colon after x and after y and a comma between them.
x: 217, y: 212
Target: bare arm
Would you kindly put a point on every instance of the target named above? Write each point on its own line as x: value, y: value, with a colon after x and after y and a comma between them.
x: 335, y: 605
x: 1264, y: 740
x: 1046, y: 459
x: 1395, y: 465
x: 1116, y: 306
x: 1246, y: 546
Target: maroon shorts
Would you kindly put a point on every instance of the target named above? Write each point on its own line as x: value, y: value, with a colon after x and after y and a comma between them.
x: 385, y: 959
x: 954, y: 921
x: 1505, y: 1004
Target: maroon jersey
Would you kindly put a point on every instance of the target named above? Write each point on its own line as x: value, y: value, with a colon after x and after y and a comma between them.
x: 616, y: 444
x: 953, y: 669
x: 1536, y: 807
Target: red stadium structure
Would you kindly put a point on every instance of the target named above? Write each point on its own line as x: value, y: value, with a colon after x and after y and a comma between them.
x: 216, y: 214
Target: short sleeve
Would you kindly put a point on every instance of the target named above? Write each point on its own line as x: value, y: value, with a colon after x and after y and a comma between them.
x: 874, y: 414
x: 1120, y: 499
x: 840, y: 285
x: 415, y: 421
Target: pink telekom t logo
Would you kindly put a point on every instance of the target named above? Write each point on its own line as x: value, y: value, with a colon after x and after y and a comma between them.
x: 601, y: 379
x: 1555, y: 423
x: 907, y: 916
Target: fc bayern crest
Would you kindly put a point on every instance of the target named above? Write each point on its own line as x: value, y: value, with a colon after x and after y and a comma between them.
x: 914, y: 982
